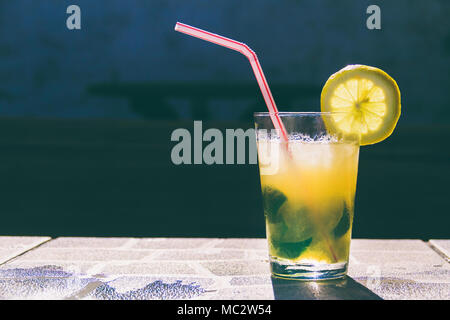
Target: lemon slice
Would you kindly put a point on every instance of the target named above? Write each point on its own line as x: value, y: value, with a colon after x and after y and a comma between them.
x: 366, y: 101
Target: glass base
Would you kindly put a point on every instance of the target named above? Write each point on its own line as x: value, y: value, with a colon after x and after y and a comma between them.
x: 303, y: 271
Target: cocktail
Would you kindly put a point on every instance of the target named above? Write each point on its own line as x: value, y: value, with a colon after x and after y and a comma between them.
x: 308, y: 187
x: 309, y: 161
x: 308, y: 180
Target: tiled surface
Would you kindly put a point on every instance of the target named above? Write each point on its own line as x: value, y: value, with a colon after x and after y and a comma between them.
x: 11, y: 247
x: 400, y: 269
x: 198, y: 268
x: 442, y: 246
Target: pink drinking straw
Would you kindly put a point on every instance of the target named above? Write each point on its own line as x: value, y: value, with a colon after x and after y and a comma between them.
x: 251, y: 55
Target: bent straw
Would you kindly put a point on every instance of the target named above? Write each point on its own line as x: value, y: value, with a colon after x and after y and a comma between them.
x: 251, y: 55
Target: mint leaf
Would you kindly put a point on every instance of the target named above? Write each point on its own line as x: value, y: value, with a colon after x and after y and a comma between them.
x: 343, y: 225
x: 290, y: 250
x: 273, y: 199
x: 298, y: 221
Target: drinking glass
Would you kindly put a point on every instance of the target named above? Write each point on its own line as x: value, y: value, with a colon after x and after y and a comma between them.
x: 308, y: 188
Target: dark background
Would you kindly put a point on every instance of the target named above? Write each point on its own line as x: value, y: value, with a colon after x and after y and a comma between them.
x: 86, y: 115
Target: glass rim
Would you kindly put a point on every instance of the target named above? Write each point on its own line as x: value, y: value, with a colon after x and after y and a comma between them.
x: 297, y: 114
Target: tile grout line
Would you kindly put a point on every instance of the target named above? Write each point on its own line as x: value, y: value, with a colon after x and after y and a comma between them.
x: 26, y: 251
x: 438, y: 251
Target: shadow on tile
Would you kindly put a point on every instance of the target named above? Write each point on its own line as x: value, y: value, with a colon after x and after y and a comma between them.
x: 339, y: 289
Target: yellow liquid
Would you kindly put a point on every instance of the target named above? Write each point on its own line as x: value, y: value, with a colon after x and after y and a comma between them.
x: 308, y: 193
